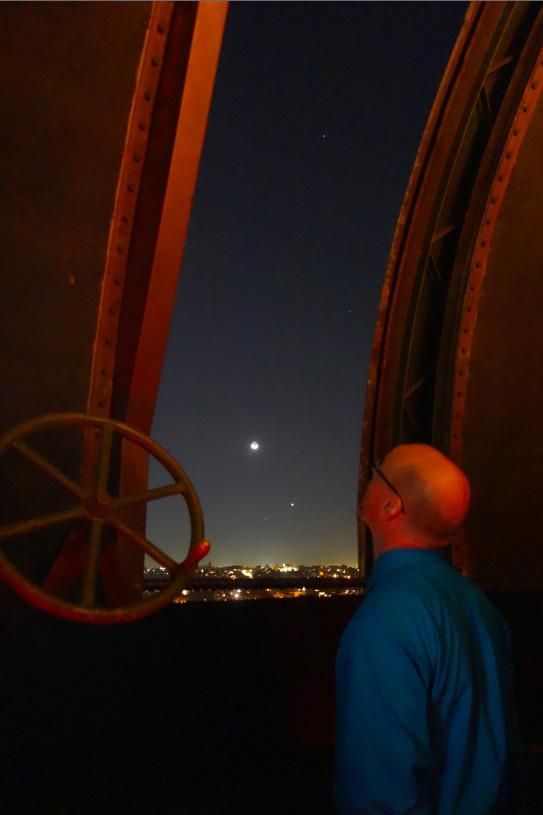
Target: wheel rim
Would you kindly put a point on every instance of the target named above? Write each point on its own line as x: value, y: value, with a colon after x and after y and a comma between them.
x: 98, y: 509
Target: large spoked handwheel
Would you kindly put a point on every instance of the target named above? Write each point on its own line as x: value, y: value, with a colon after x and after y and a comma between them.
x: 95, y: 511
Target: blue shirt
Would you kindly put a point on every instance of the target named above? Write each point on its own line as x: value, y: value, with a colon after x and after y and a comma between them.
x: 425, y: 716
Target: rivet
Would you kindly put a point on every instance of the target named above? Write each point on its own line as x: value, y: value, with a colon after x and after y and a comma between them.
x: 525, y: 109
x: 137, y: 157
x: 161, y: 28
x: 148, y: 96
x: 472, y: 288
x: 101, y: 403
x: 477, y: 264
x: 98, y: 434
x: 130, y: 188
x: 117, y: 280
x: 468, y: 308
x: 508, y: 154
x: 104, y: 372
x: 515, y: 131
x: 533, y: 85
x: 464, y: 350
x: 460, y: 373
x: 493, y: 199
x: 459, y: 393
x: 465, y: 330
x: 124, y: 219
x: 483, y: 243
x: 112, y: 310
x: 155, y: 61
x: 142, y: 126
x: 458, y: 416
x: 120, y: 249
x: 455, y: 436
x: 487, y: 221
x: 500, y: 177
x: 107, y: 340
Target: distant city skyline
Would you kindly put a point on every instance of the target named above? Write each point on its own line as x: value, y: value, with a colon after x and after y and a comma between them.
x: 235, y: 583
x: 316, y: 118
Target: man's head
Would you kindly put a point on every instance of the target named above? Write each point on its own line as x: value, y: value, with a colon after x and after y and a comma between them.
x: 416, y: 498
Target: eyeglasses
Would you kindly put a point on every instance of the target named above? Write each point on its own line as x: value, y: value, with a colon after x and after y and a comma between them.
x: 376, y: 468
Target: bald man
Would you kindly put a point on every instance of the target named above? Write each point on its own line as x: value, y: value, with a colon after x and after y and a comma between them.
x: 425, y: 710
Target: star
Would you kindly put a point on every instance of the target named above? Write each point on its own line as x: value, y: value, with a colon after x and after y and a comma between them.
x: 292, y: 503
x: 254, y: 445
x: 323, y: 136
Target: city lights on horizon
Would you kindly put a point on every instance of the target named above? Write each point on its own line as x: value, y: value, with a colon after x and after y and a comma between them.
x: 319, y: 569
x: 284, y: 580
x: 246, y: 569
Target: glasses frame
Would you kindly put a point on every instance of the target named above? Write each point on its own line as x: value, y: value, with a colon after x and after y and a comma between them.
x: 377, y: 469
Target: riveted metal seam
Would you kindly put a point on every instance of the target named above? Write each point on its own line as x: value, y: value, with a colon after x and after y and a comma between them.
x: 483, y: 248
x: 132, y: 164
x: 120, y: 231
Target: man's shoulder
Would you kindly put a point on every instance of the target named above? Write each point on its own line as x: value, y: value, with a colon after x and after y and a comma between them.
x: 406, y: 588
x: 404, y: 602
x: 428, y: 600
x: 396, y: 615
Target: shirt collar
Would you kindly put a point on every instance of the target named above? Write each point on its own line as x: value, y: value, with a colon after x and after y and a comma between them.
x: 396, y: 559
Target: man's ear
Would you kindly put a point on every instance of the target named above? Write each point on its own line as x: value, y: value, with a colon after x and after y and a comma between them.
x: 392, y: 509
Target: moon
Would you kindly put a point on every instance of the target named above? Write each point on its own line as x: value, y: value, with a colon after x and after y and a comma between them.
x: 254, y: 445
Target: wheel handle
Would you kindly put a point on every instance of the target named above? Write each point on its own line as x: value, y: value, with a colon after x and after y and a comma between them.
x: 97, y: 509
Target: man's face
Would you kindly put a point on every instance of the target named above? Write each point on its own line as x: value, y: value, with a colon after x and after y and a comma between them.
x: 379, y: 493
x: 373, y: 499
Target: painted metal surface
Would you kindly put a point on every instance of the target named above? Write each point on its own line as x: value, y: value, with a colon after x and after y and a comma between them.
x: 122, y: 221
x: 465, y: 553
x: 95, y: 341
x: 482, y: 249
x: 409, y: 387
x: 68, y: 72
x: 151, y: 254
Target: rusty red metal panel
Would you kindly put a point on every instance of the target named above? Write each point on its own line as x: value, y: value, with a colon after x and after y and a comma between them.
x: 491, y: 374
x: 147, y: 236
x: 483, y: 246
x: 133, y: 162
x: 470, y: 118
x: 92, y: 294
x: 68, y: 72
x: 175, y: 212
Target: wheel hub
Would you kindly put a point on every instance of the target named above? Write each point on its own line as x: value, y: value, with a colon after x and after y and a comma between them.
x: 79, y: 568
x: 100, y: 504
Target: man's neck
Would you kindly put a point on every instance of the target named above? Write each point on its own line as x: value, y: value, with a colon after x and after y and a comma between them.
x: 380, y: 546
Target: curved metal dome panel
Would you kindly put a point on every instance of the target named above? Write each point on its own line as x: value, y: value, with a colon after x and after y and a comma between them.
x: 496, y: 388
x: 106, y: 105
x: 481, y: 143
x: 68, y: 75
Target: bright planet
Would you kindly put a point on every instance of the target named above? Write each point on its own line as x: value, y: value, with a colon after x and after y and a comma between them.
x: 254, y: 445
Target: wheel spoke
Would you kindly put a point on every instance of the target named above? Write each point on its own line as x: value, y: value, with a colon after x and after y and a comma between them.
x: 195, y: 555
x: 105, y: 456
x: 149, y: 495
x: 90, y: 574
x: 42, y: 464
x: 22, y: 527
x: 152, y: 550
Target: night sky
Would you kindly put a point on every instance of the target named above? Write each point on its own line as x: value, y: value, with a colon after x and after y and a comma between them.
x: 317, y: 114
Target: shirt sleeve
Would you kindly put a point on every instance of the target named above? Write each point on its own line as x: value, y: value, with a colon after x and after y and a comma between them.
x: 384, y: 762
